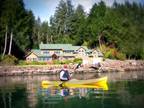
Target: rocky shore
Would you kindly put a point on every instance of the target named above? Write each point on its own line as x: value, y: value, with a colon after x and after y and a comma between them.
x: 106, y: 66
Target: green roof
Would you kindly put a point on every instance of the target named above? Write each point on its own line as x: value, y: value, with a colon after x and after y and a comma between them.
x: 60, y: 46
x: 38, y: 53
x: 54, y: 46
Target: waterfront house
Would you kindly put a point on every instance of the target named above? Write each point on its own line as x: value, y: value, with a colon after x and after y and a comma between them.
x: 48, y: 52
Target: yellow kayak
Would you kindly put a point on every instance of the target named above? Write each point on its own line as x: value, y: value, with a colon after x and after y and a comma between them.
x: 100, y: 83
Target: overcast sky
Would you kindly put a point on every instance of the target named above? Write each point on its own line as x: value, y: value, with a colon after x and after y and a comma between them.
x: 45, y: 8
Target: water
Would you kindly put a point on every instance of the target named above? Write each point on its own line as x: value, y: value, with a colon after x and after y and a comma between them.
x: 126, y: 90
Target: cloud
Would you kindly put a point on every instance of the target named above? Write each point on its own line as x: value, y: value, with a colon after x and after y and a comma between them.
x: 110, y: 2
x: 45, y: 8
x: 87, y: 4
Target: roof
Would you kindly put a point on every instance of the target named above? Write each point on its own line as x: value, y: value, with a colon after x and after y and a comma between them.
x: 60, y: 46
x: 54, y: 46
x: 37, y: 52
x: 100, y: 54
x: 78, y: 47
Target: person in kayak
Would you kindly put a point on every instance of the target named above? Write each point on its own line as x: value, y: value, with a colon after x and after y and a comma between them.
x: 64, y: 74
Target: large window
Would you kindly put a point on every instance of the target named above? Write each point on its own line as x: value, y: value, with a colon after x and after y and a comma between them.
x: 45, y: 52
x: 44, y: 58
x: 69, y: 51
x: 34, y: 59
x: 57, y: 52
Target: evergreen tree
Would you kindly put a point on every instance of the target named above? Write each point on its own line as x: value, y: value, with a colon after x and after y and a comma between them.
x: 18, y: 23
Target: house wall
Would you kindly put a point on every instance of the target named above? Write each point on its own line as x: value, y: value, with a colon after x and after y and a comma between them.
x: 81, y: 51
x: 51, y: 52
x: 71, y: 53
x: 44, y: 59
x: 95, y: 54
x: 32, y: 57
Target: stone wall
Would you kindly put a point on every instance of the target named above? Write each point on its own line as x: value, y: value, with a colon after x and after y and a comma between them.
x: 106, y: 66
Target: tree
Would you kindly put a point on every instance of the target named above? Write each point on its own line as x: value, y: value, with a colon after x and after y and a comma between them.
x: 44, y: 31
x: 79, y: 20
x: 19, y: 26
x: 96, y: 24
x: 60, y: 18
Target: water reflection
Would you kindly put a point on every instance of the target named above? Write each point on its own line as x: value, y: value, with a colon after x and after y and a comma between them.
x: 125, y: 91
x: 56, y: 95
x: 13, y: 97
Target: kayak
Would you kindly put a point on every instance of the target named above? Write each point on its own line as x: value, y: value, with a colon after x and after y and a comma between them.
x: 100, y: 83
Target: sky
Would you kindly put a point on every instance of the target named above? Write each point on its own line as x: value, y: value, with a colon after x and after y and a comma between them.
x: 46, y: 8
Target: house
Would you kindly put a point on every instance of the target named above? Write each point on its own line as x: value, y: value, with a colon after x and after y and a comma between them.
x: 48, y: 52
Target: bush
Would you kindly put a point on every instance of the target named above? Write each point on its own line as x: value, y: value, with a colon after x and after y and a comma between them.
x: 21, y: 62
x: 57, y: 62
x: 109, y: 54
x: 9, y: 60
x: 62, y: 61
x: 77, y: 60
x: 142, y: 54
x: 113, y: 53
x: 0, y: 58
x: 121, y: 56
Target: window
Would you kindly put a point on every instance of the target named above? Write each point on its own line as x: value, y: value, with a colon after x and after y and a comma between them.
x: 57, y: 52
x: 45, y: 52
x: 34, y: 59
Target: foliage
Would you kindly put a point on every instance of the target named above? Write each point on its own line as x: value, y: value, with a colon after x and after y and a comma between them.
x: 9, y: 60
x: 77, y: 60
x: 0, y: 58
x: 119, y: 27
x: 18, y: 21
x: 62, y: 61
x: 112, y: 53
x: 21, y: 62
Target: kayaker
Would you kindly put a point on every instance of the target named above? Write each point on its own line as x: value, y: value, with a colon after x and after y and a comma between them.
x: 64, y: 74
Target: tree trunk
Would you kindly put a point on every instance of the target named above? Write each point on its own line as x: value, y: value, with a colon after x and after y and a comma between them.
x: 39, y: 38
x: 100, y: 42
x: 10, y: 45
x: 47, y: 39
x: 51, y: 40
x: 5, y: 43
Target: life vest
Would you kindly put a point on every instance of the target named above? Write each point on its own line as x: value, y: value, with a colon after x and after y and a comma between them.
x: 64, y: 75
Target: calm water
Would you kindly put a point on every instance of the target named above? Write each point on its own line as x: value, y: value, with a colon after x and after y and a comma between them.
x: 126, y: 90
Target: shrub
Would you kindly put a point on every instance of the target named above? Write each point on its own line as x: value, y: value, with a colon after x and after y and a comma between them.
x: 57, y: 62
x: 9, y: 60
x: 113, y: 53
x: 62, y: 61
x: 21, y: 62
x: 110, y: 54
x: 0, y: 58
x: 142, y: 54
x: 77, y: 60
x: 121, y: 56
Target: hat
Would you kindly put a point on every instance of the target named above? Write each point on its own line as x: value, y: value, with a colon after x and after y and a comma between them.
x: 65, y: 66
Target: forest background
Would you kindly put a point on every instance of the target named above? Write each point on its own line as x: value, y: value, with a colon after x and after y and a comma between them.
x: 118, y: 31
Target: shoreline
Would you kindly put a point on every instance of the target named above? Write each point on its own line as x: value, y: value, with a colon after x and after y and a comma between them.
x: 106, y: 66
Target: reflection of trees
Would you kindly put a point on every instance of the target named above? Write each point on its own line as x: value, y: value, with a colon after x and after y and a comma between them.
x: 9, y: 99
x: 128, y: 93
x: 31, y: 94
x: 13, y: 98
x: 4, y: 99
